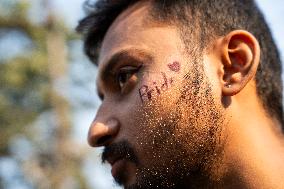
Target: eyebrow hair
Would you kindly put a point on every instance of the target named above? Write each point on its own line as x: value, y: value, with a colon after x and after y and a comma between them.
x: 127, y: 55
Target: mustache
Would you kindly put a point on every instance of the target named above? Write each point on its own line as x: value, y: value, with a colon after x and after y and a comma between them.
x: 121, y: 150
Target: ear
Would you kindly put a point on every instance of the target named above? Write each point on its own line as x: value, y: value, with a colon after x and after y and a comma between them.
x: 240, y: 54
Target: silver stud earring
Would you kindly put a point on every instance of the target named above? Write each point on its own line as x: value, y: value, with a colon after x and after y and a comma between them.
x: 228, y: 85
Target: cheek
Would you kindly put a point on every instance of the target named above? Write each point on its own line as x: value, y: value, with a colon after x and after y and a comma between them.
x: 153, y: 86
x: 157, y: 95
x: 155, y: 129
x: 151, y: 115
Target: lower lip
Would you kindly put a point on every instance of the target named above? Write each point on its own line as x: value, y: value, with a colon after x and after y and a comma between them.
x: 117, y: 167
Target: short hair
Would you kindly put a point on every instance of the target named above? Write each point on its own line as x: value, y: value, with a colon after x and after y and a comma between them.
x: 212, y: 18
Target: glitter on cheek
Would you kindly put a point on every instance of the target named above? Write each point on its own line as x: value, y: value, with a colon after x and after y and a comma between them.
x: 176, y: 131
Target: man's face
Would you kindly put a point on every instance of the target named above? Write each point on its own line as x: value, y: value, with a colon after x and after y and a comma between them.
x: 158, y: 104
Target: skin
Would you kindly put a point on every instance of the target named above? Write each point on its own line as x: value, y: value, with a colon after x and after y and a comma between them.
x: 208, y: 130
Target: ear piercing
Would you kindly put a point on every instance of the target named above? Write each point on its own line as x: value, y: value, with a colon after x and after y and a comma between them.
x: 228, y: 85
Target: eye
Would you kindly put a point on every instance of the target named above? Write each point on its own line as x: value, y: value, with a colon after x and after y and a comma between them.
x: 125, y: 74
x: 123, y: 78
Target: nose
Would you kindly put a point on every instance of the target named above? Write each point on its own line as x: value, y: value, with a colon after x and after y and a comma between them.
x: 101, y: 134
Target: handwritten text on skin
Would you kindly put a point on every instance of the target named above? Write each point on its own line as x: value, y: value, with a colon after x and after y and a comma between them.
x: 146, y: 92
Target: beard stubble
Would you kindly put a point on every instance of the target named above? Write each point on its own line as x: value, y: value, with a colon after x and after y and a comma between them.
x: 181, y: 136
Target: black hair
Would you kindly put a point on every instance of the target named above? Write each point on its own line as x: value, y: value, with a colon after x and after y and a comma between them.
x: 212, y: 18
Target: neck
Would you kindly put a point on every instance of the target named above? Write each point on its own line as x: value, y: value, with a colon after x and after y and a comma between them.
x: 254, y: 150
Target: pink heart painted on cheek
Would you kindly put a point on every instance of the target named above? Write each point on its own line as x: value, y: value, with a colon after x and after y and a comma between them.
x: 175, y: 66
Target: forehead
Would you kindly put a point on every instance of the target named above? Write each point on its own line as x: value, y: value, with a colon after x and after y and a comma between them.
x: 133, y: 29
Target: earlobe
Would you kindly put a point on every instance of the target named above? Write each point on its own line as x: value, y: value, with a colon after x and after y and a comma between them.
x: 240, y: 58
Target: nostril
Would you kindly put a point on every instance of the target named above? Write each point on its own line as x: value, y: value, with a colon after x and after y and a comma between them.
x: 103, y: 140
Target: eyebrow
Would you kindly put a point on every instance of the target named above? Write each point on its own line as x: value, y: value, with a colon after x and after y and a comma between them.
x: 128, y: 56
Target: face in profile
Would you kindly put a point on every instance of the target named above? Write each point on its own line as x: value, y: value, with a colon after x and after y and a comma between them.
x: 160, y: 120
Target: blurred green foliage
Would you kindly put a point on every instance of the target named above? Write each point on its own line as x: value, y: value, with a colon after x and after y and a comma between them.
x: 27, y: 91
x: 23, y: 79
